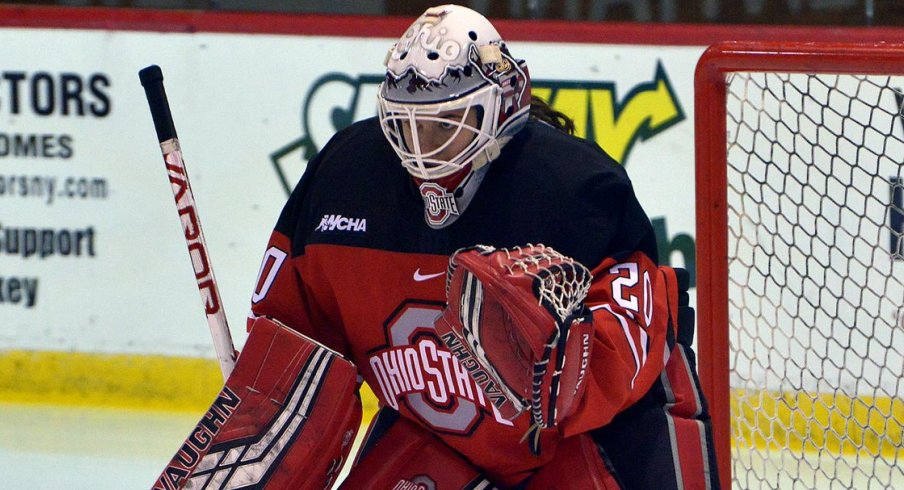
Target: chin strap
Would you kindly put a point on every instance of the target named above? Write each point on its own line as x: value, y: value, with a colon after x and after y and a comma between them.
x: 490, y: 152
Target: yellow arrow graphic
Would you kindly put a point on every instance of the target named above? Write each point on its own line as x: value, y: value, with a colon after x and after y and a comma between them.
x: 648, y: 109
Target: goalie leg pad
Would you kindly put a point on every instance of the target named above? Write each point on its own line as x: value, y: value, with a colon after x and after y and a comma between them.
x: 579, y: 464
x: 406, y: 456
x: 286, y: 418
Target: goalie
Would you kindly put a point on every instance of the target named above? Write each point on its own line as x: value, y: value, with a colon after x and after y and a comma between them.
x: 562, y: 365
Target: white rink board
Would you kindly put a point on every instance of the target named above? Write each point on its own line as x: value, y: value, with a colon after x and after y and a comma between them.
x: 137, y: 293
x: 237, y: 99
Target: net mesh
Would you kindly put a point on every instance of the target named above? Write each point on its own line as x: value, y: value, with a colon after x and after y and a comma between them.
x: 816, y: 280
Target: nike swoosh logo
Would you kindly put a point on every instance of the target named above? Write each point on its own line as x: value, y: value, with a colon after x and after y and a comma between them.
x: 423, y: 277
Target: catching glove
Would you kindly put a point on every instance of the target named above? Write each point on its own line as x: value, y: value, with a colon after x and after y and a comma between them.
x: 515, y: 318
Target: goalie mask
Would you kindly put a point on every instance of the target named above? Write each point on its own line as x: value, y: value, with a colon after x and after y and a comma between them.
x: 452, y: 98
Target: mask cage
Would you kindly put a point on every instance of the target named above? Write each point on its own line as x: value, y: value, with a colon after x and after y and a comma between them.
x: 422, y: 157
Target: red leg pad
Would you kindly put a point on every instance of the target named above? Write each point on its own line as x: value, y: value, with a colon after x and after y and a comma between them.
x: 578, y: 465
x: 407, y: 457
x: 286, y: 418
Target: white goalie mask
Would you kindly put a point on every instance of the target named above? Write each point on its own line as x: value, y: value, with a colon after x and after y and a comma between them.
x: 453, y: 95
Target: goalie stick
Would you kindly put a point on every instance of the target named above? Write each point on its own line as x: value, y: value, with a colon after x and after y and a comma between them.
x: 152, y: 80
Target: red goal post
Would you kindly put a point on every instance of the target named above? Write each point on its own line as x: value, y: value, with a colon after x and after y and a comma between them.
x: 763, y: 227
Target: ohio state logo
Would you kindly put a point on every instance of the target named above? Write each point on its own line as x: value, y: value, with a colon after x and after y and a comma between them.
x: 439, y: 204
x: 420, y: 482
x: 417, y: 371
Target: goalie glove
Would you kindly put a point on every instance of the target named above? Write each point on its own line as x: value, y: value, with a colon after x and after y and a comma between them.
x: 515, y: 319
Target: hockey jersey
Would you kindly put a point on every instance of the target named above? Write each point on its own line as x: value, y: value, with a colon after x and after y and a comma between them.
x: 352, y: 263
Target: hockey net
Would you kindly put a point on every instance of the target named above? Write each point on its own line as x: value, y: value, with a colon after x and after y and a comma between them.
x: 800, y: 149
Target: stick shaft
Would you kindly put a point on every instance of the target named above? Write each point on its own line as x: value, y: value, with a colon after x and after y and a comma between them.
x: 152, y: 80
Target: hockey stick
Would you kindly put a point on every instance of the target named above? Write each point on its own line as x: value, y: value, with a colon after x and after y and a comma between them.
x: 152, y: 81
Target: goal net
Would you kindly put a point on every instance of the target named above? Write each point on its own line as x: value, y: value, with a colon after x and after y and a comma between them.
x: 800, y: 149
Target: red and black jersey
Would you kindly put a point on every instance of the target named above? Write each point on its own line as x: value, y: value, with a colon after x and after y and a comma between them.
x: 353, y: 264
